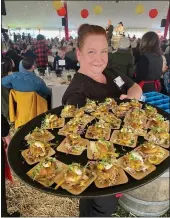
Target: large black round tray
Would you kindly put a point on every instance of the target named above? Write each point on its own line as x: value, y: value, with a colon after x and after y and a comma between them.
x: 20, y: 167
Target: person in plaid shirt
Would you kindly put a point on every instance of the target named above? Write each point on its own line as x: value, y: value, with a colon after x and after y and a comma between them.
x: 41, y: 51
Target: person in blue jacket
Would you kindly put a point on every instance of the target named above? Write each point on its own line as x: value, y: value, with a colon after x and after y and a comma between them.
x: 26, y: 80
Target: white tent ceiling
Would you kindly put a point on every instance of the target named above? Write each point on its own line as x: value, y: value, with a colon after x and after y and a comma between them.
x: 31, y: 14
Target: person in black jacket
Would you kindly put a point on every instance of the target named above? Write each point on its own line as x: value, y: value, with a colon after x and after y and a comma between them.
x: 11, y: 53
x: 60, y: 55
x: 15, y: 37
x: 5, y: 139
x: 29, y: 38
x: 149, y: 66
x: 6, y: 68
x: 23, y: 36
x: 28, y: 53
x: 71, y: 59
x: 136, y: 52
x: 17, y: 49
x: 109, y: 32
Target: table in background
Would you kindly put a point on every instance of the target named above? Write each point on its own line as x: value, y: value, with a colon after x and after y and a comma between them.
x: 58, y: 91
x: 58, y: 85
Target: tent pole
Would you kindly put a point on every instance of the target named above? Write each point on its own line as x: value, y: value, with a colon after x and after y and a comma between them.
x: 167, y: 24
x: 66, y: 22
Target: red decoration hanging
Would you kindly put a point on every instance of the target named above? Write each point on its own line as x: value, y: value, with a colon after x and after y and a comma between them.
x: 84, y: 13
x: 61, y: 12
x: 153, y: 13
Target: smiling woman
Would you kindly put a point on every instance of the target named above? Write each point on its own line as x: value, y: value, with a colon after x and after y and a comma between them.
x: 95, y: 82
x: 94, y: 57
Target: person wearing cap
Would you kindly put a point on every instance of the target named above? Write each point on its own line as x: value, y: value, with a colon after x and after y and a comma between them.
x: 109, y: 32
x: 122, y: 59
x: 120, y: 28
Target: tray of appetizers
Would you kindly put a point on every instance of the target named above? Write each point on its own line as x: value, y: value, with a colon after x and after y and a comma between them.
x: 96, y: 150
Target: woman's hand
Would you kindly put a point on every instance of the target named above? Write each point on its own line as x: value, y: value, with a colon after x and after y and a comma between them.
x: 122, y: 97
x: 134, y: 92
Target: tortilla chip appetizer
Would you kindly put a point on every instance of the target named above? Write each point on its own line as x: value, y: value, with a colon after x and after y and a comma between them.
x: 152, y: 153
x: 73, y: 144
x: 90, y: 106
x: 134, y: 164
x: 158, y: 136
x: 79, y: 113
x: 40, y: 135
x: 37, y: 151
x: 136, y: 121
x: 102, y: 108
x: 85, y: 119
x: 150, y: 111
x: 109, y: 174
x: 137, y: 128
x: 52, y: 121
x: 97, y: 114
x: 135, y: 104
x: 46, y: 171
x: 134, y: 114
x: 68, y: 111
x: 99, y: 130
x: 124, y: 137
x: 109, y: 118
x: 110, y: 103
x: 121, y: 110
x: 76, y: 179
x: 71, y: 129
x: 159, y: 121
x: 76, y: 125
x: 100, y: 149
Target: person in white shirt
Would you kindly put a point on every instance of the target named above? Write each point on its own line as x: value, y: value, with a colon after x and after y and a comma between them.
x: 120, y: 29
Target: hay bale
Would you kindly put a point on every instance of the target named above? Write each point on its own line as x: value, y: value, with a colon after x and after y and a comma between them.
x: 30, y: 202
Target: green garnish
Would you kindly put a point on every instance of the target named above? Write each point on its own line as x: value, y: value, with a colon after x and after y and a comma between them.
x: 89, y: 101
x: 105, y: 161
x: 70, y: 167
x: 132, y: 142
x: 108, y: 144
x: 131, y: 157
x: 157, y: 129
x: 160, y: 117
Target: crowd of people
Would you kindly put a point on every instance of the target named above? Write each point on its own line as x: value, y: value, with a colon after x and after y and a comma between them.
x: 39, y: 49
x: 142, y: 65
x: 146, y: 61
